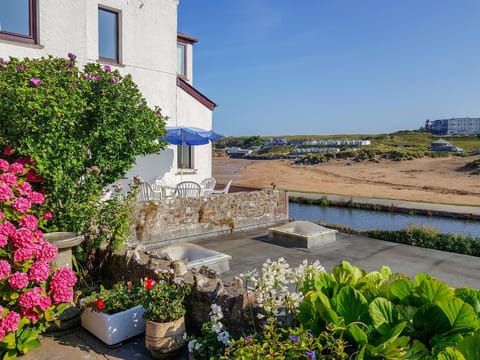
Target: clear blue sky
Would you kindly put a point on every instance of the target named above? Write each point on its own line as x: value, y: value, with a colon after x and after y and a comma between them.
x: 286, y: 67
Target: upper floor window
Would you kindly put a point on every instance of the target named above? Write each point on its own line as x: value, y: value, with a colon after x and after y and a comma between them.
x: 108, y: 44
x: 18, y: 20
x: 181, y: 58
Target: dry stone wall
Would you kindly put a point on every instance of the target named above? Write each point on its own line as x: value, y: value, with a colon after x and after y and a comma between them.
x: 172, y: 220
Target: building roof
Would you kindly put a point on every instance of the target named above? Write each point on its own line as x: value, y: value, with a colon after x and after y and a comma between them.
x: 189, y: 89
x: 186, y: 38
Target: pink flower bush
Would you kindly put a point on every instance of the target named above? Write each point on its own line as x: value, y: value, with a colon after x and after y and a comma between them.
x: 32, y: 292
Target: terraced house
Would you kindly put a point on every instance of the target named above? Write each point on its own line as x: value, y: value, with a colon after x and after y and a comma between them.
x: 137, y: 37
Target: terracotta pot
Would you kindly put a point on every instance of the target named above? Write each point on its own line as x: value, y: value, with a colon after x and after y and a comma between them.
x: 165, y: 339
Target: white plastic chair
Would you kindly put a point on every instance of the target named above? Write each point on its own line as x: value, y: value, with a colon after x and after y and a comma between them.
x: 208, y: 185
x: 224, y: 190
x: 146, y: 192
x: 188, y: 189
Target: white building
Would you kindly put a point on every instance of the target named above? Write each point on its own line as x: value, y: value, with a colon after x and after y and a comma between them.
x: 137, y: 37
x: 455, y: 126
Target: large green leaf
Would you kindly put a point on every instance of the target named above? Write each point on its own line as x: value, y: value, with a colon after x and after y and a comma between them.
x: 357, y: 334
x: 470, y: 296
x: 431, y: 291
x: 440, y: 342
x: 417, y: 351
x: 347, y: 274
x: 430, y: 320
x: 461, y: 315
x: 470, y: 347
x: 401, y: 288
x: 325, y: 283
x: 450, y: 354
x: 351, y: 305
x: 393, y: 349
x: 383, y: 314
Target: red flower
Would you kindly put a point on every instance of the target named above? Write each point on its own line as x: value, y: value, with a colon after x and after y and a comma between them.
x: 129, y: 285
x: 148, y: 284
x: 100, y: 304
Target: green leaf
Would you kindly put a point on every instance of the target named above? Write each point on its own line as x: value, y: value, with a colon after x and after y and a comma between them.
x: 10, y: 355
x: 417, y: 351
x: 394, y: 349
x: 450, y: 354
x: 470, y: 347
x: 461, y: 315
x: 347, y: 274
x: 431, y: 291
x: 357, y: 334
x: 440, y: 342
x: 401, y: 288
x: 383, y: 314
x: 351, y: 305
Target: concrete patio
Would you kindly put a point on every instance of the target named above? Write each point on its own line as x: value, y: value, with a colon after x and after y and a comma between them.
x: 249, y: 250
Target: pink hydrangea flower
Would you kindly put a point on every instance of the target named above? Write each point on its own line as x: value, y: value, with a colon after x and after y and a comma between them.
x: 45, y: 302
x: 24, y: 189
x: 29, y: 221
x: 62, y: 295
x: 23, y: 254
x: 2, y: 332
x: 30, y: 314
x: 31, y: 298
x: 36, y: 198
x: 46, y: 252
x: 3, y: 240
x: 39, y: 271
x: 18, y: 280
x: 32, y: 176
x: 39, y: 236
x: 63, y: 277
x: 5, y: 269
x: 21, y: 205
x: 7, y: 228
x: 23, y: 238
x: 47, y: 216
x: 17, y: 168
x: 8, y: 150
x: 4, y: 165
x: 2, y: 215
x: 10, y: 322
x: 5, y: 192
x: 9, y: 178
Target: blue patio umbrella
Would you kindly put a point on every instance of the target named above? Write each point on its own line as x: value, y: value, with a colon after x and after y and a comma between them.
x: 190, y: 136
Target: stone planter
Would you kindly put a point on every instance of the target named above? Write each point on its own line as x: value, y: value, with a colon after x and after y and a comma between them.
x: 115, y: 328
x: 64, y: 241
x: 165, y: 340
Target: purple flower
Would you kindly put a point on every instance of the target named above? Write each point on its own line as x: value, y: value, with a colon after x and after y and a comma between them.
x: 95, y: 77
x: 294, y: 338
x: 159, y: 112
x: 35, y: 82
x: 107, y: 68
x: 85, y: 76
x: 310, y: 335
x: 20, y: 68
x: 74, y: 84
x: 113, y: 80
x: 311, y: 355
x: 71, y: 56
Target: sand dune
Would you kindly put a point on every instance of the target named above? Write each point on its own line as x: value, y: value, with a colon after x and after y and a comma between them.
x: 438, y: 180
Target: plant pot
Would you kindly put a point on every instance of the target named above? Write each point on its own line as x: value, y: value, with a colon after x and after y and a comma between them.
x: 164, y: 340
x: 115, y: 328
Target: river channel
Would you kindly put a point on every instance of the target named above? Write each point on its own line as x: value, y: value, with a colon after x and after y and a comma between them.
x: 367, y: 219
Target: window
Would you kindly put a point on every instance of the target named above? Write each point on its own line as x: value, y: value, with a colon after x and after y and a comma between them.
x: 184, y: 157
x: 181, y: 58
x: 107, y: 35
x: 18, y: 20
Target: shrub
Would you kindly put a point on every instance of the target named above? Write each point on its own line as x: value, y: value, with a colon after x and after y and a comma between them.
x: 32, y: 293
x: 83, y: 128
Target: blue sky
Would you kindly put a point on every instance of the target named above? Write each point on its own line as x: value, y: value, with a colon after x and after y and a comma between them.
x: 288, y: 67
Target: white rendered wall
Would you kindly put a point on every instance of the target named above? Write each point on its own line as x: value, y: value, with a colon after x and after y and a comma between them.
x: 148, y: 51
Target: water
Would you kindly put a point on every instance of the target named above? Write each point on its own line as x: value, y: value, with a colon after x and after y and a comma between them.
x: 367, y: 220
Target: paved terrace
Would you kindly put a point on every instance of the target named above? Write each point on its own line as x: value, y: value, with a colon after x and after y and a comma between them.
x: 250, y: 249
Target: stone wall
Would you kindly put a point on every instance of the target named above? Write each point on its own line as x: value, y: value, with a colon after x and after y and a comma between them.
x: 174, y: 220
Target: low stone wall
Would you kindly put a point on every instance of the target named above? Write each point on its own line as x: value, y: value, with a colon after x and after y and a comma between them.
x: 175, y: 220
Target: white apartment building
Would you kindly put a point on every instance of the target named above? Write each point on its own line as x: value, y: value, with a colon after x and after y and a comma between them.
x: 455, y: 126
x: 137, y: 37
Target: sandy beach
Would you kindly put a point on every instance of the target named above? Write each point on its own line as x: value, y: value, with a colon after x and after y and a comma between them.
x: 435, y: 180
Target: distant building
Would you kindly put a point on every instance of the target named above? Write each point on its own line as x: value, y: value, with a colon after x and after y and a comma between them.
x: 337, y: 143
x: 455, y: 126
x: 443, y: 145
x: 276, y: 142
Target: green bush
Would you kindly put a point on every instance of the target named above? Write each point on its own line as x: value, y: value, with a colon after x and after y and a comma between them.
x: 427, y: 237
x: 84, y: 128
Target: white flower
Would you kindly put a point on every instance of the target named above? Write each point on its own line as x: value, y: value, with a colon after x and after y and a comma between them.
x: 217, y: 327
x: 223, y: 337
x: 194, y: 345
